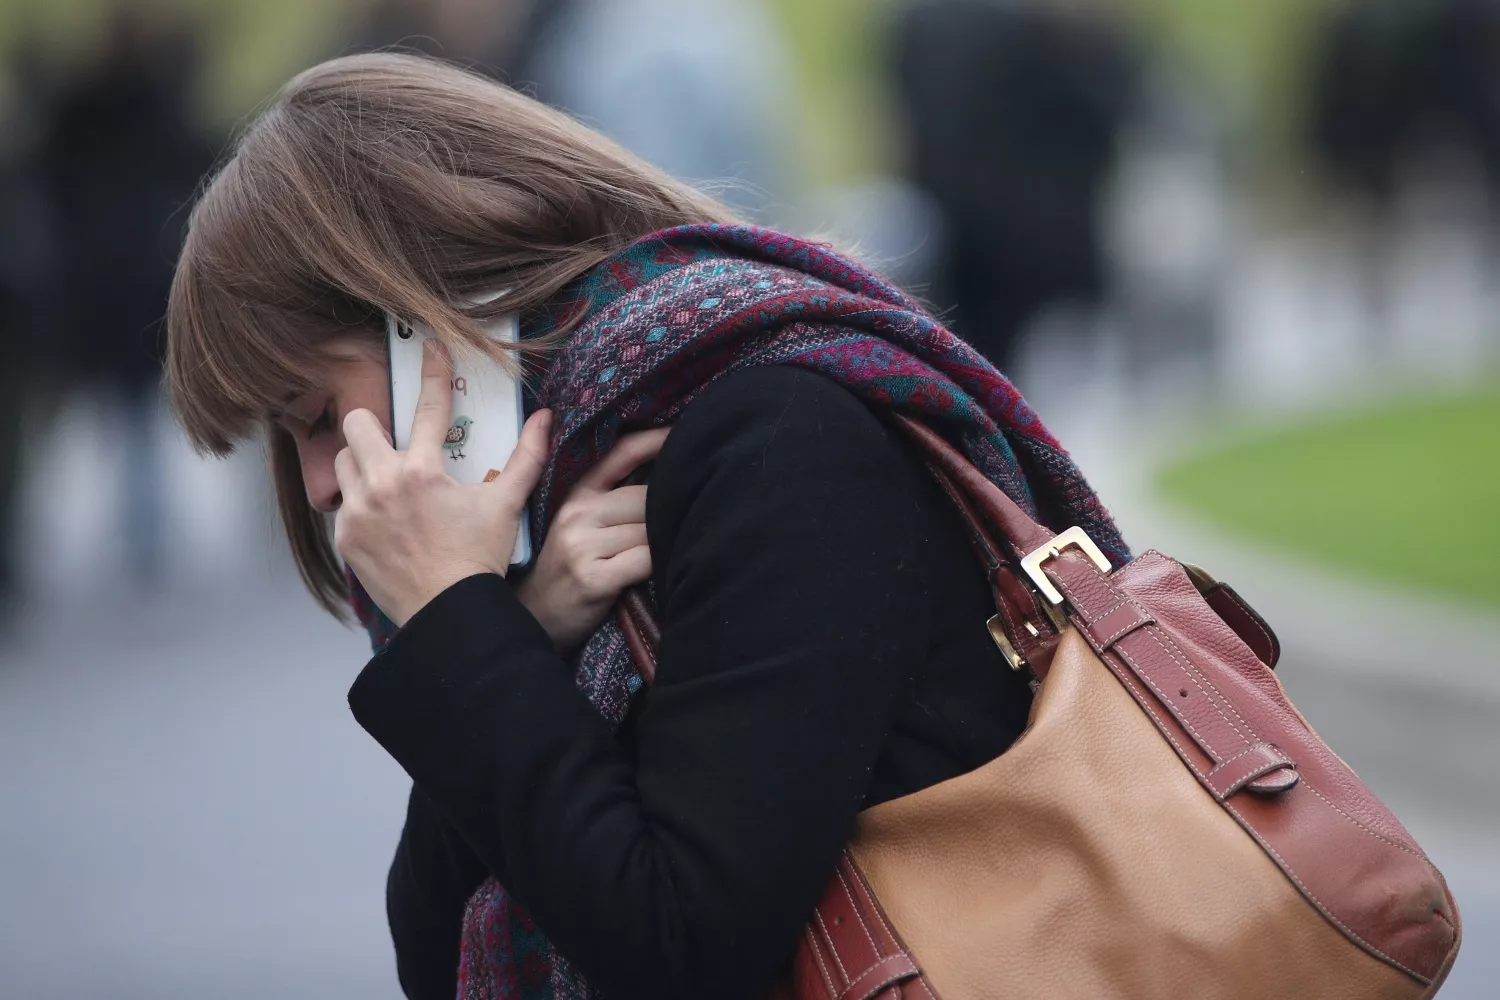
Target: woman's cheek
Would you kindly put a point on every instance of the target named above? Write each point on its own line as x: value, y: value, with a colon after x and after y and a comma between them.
x: 317, y: 455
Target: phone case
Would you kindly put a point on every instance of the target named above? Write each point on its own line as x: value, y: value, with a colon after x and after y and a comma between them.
x: 487, y: 409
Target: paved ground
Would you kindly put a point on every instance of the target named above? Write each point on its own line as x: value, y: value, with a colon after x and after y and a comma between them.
x: 189, y: 811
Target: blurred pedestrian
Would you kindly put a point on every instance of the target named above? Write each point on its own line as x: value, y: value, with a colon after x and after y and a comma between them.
x: 1012, y: 110
x: 693, y: 87
x: 120, y: 152
x: 1397, y: 81
x: 492, y: 37
x: 822, y: 642
x: 27, y: 262
x: 696, y: 88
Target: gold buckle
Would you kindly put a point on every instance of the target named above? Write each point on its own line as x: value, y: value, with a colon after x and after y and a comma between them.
x: 1007, y: 648
x: 1074, y: 536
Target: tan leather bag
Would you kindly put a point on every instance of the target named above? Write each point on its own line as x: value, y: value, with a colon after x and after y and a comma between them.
x: 1168, y: 826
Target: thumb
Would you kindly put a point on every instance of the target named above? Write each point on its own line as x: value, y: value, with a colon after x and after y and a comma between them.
x: 523, y: 470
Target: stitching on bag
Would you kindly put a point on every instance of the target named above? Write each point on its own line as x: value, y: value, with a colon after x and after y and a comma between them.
x: 876, y: 964
x: 1254, y: 618
x: 1062, y: 585
x: 1129, y: 626
x: 1285, y: 867
x: 1288, y: 762
x: 890, y: 980
x: 1203, y: 744
x: 1091, y: 619
x: 1198, y: 679
x: 891, y: 932
x: 1109, y: 610
x: 832, y: 948
x: 1161, y: 726
x: 869, y: 970
x: 1170, y: 647
x: 645, y: 643
x: 921, y: 980
x: 857, y: 915
x: 812, y: 946
x: 881, y: 916
x: 1366, y: 829
x: 1284, y: 761
x: 1204, y: 685
x: 1248, y: 750
x: 1223, y: 790
x: 1287, y: 870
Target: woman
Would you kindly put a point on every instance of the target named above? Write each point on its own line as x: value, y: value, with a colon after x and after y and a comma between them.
x: 824, y: 646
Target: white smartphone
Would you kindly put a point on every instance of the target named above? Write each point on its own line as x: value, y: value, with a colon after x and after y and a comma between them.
x: 487, y: 408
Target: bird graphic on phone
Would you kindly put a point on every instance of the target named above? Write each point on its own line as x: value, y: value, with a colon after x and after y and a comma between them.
x: 487, y: 407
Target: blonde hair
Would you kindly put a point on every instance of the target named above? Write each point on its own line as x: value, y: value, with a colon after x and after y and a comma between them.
x: 385, y: 182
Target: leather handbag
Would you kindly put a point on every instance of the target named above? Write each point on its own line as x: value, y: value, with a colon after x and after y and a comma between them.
x: 1168, y: 825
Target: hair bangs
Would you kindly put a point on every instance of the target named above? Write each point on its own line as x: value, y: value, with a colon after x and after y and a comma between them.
x: 250, y: 317
x: 384, y: 182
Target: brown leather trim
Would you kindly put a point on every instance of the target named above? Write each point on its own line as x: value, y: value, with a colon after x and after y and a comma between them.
x: 642, y: 635
x: 1338, y: 844
x: 1016, y: 603
x: 887, y: 972
x: 1020, y: 532
x: 1081, y: 829
x: 1107, y: 870
x: 1247, y: 624
x: 850, y: 951
x: 1249, y: 765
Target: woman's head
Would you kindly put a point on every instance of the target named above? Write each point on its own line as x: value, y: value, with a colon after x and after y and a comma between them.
x: 381, y: 183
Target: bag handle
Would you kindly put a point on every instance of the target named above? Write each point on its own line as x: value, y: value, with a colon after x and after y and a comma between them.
x: 1016, y: 526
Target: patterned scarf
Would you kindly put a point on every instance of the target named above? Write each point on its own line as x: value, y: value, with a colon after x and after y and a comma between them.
x: 660, y: 321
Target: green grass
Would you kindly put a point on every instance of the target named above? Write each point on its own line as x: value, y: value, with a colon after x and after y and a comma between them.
x: 1409, y: 493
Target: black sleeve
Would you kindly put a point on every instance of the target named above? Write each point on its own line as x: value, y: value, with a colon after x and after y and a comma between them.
x: 430, y: 882
x: 682, y: 858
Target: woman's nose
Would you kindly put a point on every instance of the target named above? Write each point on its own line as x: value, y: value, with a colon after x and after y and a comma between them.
x: 319, y: 478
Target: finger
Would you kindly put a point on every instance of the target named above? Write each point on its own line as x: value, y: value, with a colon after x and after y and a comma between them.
x: 429, y: 428
x: 523, y: 470
x: 606, y: 543
x: 630, y: 567
x: 621, y: 505
x: 346, y: 471
x: 365, y: 437
x: 629, y: 452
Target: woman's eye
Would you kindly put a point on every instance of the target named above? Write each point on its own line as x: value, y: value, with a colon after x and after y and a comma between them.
x: 323, y: 423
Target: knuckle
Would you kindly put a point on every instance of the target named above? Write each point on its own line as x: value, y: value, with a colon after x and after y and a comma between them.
x: 413, y: 474
x: 594, y: 581
x: 380, y: 488
x: 571, y: 548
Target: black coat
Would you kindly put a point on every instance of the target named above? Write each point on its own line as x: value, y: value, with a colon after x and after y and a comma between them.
x: 824, y: 649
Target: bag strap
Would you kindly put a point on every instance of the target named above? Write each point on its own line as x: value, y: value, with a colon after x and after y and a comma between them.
x: 1026, y: 625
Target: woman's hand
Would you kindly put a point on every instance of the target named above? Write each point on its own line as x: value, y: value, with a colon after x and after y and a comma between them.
x: 408, y: 529
x: 595, y: 548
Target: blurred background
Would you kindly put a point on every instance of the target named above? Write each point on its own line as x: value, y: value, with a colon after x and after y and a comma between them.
x: 1241, y: 255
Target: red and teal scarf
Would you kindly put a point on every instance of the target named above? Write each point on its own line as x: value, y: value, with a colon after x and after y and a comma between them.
x: 659, y: 322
